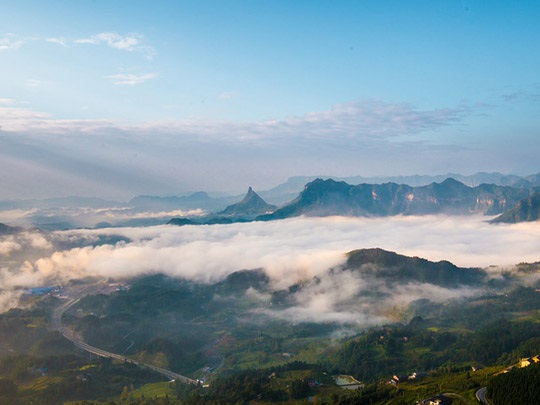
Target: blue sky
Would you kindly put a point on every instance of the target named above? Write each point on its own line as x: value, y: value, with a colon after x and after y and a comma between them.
x: 118, y: 98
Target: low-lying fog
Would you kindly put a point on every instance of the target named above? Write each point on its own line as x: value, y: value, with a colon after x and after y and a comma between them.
x: 290, y: 251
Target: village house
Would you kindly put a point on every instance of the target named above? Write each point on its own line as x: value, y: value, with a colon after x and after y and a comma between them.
x: 527, y: 361
x: 437, y: 400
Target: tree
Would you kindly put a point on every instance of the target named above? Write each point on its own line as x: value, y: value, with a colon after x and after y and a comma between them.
x: 7, y: 388
x: 299, y: 389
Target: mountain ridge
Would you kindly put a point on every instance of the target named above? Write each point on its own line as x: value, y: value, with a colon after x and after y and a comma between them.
x: 287, y: 191
x: 526, y: 210
x: 400, y: 268
x: 330, y: 197
x: 9, y: 230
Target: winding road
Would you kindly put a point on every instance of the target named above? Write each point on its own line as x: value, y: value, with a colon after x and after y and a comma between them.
x: 481, y: 396
x: 77, y: 341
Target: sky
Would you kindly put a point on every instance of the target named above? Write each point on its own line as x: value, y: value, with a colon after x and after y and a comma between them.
x: 119, y: 98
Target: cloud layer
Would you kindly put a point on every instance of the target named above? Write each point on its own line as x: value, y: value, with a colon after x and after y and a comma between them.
x: 10, y: 42
x: 290, y: 251
x: 167, y: 157
x: 351, y: 121
x: 132, y: 42
x: 131, y: 79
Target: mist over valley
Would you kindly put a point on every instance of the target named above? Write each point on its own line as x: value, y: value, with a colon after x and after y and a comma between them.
x: 354, y: 279
x: 209, y: 300
x: 250, y: 202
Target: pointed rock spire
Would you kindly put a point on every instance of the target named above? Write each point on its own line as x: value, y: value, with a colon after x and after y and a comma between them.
x: 251, y: 204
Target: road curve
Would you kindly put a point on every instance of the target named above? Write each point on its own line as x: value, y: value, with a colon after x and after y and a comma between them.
x: 481, y: 396
x: 57, y: 325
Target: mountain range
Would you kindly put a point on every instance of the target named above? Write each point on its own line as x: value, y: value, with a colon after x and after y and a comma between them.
x: 288, y: 190
x: 330, y: 197
x: 486, y: 193
x: 198, y: 200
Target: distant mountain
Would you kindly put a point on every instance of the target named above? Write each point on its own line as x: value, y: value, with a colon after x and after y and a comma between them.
x: 240, y: 281
x: 246, y: 210
x: 52, y: 223
x: 290, y: 189
x: 250, y: 206
x: 181, y: 222
x: 330, y: 197
x: 285, y: 192
x: 62, y: 202
x: 497, y: 179
x: 395, y: 268
x: 526, y: 210
x: 472, y: 180
x: 9, y: 230
x: 534, y: 179
x: 192, y: 201
x: 138, y: 222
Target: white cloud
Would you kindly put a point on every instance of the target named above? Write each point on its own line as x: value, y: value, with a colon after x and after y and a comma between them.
x: 17, y: 119
x: 350, y: 122
x: 9, y: 299
x: 131, y: 79
x: 290, y: 251
x: 8, y: 245
x: 367, y: 119
x: 189, y: 155
x: 361, y: 138
x: 296, y: 249
x: 226, y: 95
x: 34, y: 83
x: 131, y: 42
x: 12, y: 116
x: 8, y: 43
x: 7, y: 101
x: 114, y: 40
x: 13, y: 243
x: 353, y: 298
x: 60, y: 41
x: 14, y: 215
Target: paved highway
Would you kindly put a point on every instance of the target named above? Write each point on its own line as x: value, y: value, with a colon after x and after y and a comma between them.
x: 481, y: 396
x: 77, y: 341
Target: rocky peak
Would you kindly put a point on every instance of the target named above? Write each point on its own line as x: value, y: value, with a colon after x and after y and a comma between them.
x: 251, y: 204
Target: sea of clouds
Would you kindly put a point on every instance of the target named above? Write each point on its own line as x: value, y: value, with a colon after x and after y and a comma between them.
x: 290, y: 251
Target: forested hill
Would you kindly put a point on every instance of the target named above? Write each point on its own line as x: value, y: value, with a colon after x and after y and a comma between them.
x: 519, y: 386
x: 393, y: 267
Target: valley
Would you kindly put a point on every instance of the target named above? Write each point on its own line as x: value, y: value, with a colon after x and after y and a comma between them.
x: 269, y: 202
x: 225, y: 332
x: 256, y: 304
